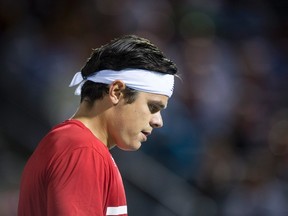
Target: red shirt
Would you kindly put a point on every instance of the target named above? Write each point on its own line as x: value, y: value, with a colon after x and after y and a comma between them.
x: 71, y: 172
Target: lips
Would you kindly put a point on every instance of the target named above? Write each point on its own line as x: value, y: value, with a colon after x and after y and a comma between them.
x: 146, y: 133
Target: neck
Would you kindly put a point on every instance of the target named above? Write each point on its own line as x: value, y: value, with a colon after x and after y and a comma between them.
x: 94, y: 117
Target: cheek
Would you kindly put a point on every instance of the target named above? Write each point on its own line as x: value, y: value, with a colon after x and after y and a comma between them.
x: 137, y: 120
x: 132, y: 124
x: 133, y: 116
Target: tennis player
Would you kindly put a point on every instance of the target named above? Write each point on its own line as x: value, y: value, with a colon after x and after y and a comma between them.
x: 124, y: 85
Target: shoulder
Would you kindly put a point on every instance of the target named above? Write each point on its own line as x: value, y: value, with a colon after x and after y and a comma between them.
x: 70, y: 136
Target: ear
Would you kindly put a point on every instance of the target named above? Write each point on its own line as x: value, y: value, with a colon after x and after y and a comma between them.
x: 115, y: 91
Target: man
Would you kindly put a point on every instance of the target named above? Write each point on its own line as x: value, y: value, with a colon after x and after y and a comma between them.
x: 123, y: 86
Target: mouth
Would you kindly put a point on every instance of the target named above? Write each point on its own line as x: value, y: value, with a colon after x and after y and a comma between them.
x: 146, y: 133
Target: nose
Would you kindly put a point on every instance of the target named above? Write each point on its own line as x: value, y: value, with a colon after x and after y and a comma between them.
x: 156, y: 120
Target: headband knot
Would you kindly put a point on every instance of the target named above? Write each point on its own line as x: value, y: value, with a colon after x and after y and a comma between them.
x: 77, y: 80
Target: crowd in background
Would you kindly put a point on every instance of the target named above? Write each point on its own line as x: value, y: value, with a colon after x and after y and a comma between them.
x: 226, y: 127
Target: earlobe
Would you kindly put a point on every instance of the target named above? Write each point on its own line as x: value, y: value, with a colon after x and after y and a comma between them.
x: 115, y: 91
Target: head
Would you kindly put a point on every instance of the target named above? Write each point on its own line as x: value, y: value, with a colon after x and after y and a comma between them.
x: 121, y: 53
x: 128, y: 52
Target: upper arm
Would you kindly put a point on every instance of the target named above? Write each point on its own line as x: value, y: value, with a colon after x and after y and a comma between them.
x: 76, y: 182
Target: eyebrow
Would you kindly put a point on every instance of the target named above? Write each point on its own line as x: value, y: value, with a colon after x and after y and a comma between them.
x: 158, y: 103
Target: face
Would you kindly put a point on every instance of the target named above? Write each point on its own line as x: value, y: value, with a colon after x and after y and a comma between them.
x: 133, y: 123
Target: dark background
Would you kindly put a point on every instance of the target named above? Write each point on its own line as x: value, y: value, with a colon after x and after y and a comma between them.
x: 223, y: 149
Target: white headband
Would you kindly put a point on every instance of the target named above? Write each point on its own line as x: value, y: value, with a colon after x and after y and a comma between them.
x: 138, y: 79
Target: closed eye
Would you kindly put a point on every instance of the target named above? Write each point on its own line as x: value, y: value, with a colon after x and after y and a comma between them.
x: 153, y: 108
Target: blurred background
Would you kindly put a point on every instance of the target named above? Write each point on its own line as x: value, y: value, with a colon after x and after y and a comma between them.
x: 224, y: 145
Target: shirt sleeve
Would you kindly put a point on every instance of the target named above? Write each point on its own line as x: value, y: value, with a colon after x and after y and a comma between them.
x: 76, y: 184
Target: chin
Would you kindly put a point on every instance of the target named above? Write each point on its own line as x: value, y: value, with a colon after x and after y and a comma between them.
x: 132, y: 147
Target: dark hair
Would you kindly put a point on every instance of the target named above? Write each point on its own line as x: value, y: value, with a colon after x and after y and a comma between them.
x: 129, y: 51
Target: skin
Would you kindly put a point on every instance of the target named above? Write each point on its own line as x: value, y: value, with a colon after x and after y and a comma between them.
x: 115, y: 122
